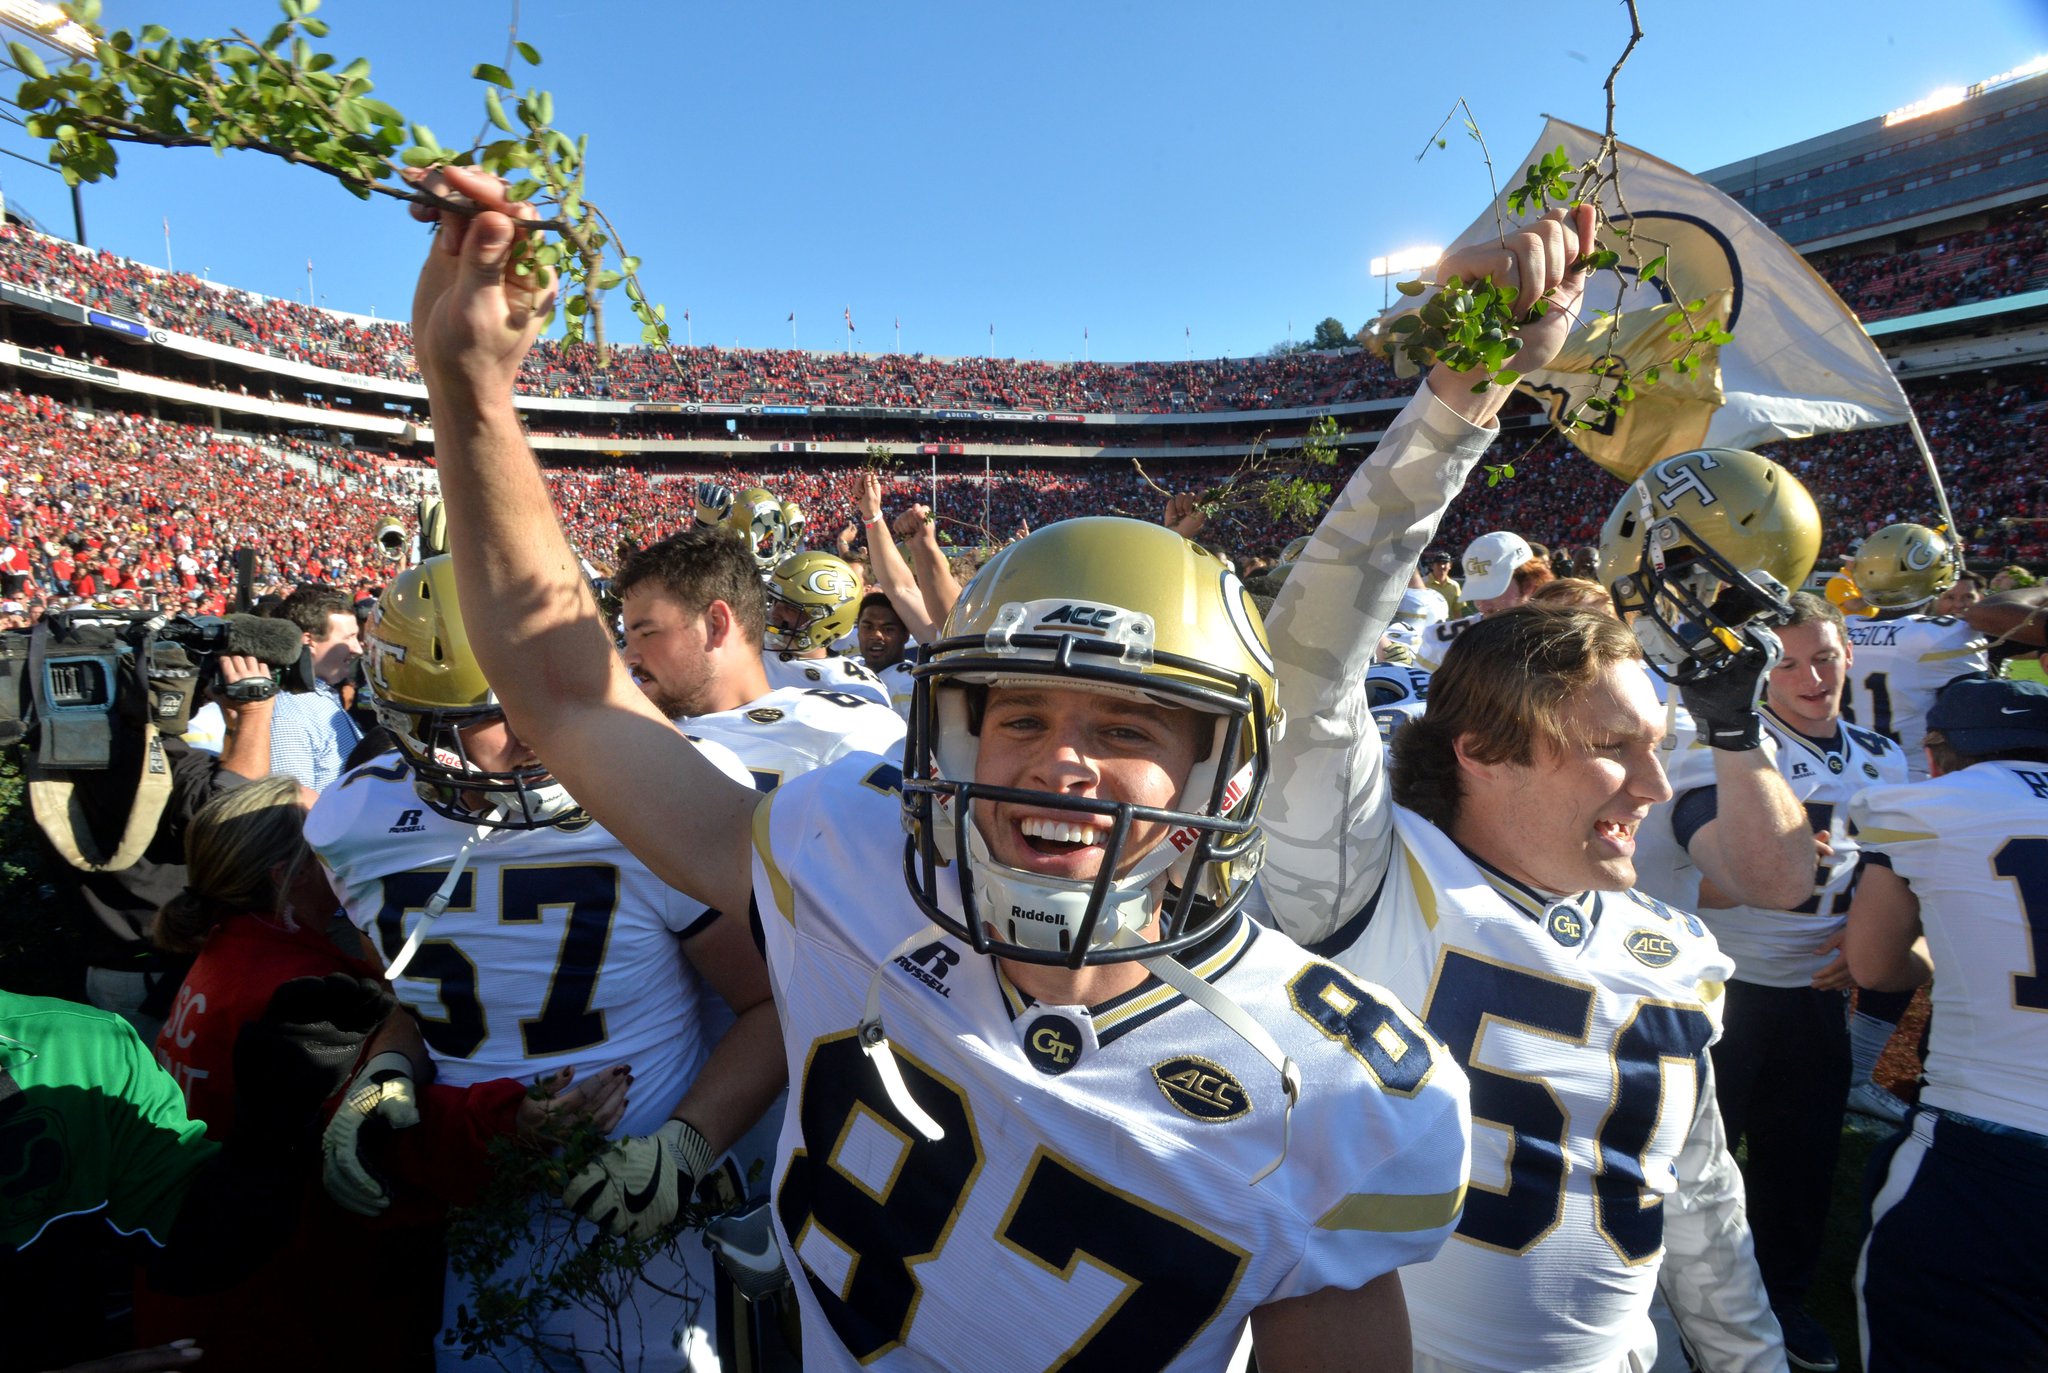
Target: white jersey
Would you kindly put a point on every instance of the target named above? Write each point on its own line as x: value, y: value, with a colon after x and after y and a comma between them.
x: 830, y: 673
x: 558, y: 948
x: 1583, y: 1024
x: 1776, y: 948
x: 792, y: 730
x: 1901, y: 666
x: 1634, y: 1176
x: 897, y: 681
x: 1091, y: 1201
x: 1973, y: 845
x: 1436, y: 638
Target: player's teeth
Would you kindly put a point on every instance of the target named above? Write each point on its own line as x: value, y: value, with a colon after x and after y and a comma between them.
x: 1058, y: 831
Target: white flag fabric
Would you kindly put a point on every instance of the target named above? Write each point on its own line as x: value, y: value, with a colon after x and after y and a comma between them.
x: 1800, y: 364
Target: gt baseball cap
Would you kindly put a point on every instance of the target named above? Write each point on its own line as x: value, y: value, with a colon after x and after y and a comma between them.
x: 1981, y: 716
x: 1490, y: 563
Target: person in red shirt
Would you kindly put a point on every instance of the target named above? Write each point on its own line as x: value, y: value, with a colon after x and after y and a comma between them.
x: 258, y: 912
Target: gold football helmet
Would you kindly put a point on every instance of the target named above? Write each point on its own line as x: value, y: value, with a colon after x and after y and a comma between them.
x: 391, y: 538
x: 757, y: 517
x: 426, y: 687
x: 1108, y: 605
x: 823, y: 590
x: 1904, y: 565
x: 1704, y: 549
x: 793, y: 521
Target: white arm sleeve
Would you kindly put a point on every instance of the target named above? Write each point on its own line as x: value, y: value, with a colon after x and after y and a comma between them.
x: 1710, y: 1278
x: 1328, y: 817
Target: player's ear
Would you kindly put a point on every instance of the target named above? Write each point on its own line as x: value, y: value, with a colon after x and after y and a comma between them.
x: 718, y: 624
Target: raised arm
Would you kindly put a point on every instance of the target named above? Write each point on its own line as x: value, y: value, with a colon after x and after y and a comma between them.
x: 542, y: 644
x: 935, y: 580
x: 1328, y: 816
x: 891, y: 573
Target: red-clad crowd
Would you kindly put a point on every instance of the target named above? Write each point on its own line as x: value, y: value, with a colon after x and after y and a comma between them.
x: 180, y: 301
x: 102, y: 504
x: 1957, y: 269
x: 107, y: 506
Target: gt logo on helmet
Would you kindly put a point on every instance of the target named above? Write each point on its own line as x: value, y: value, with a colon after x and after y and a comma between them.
x: 1679, y: 479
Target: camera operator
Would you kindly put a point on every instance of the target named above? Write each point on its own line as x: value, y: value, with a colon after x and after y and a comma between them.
x: 113, y: 909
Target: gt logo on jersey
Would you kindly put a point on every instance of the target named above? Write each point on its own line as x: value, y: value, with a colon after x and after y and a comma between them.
x: 1566, y: 927
x: 1200, y: 1089
x: 764, y: 715
x: 1649, y: 948
x: 1052, y: 1043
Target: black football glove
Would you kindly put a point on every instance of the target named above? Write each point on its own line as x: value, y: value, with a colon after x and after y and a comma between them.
x: 1723, y: 706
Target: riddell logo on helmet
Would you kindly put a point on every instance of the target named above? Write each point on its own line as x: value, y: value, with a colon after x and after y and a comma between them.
x: 1042, y: 917
x: 1081, y: 616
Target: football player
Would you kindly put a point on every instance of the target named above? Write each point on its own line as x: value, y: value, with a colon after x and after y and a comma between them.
x: 695, y: 620
x: 1953, y: 1271
x: 1905, y: 657
x: 1056, y: 1063
x: 525, y: 939
x: 883, y: 640
x: 1495, y: 899
x: 813, y: 599
x: 1781, y: 1069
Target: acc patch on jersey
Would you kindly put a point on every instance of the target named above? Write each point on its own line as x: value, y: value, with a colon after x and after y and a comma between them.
x: 1649, y: 948
x: 1052, y: 1043
x: 764, y: 715
x: 1201, y: 1089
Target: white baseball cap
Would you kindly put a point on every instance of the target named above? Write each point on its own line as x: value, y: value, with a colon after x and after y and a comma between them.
x: 1490, y: 562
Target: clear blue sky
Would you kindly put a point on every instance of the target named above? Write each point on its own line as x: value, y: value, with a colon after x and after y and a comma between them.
x: 1137, y: 170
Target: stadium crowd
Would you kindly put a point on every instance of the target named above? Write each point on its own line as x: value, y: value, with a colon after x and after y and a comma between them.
x: 1956, y: 268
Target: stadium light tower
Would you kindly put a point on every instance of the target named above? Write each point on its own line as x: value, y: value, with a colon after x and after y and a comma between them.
x: 49, y: 25
x: 1397, y: 264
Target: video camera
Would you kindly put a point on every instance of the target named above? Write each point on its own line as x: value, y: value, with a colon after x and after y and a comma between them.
x: 71, y: 684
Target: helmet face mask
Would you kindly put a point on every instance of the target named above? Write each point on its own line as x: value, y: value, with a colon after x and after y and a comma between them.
x: 1211, y: 846
x: 427, y: 689
x: 1699, y: 554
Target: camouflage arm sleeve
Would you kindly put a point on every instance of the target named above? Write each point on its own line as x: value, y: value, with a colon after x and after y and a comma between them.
x: 1710, y: 1278
x: 1328, y: 819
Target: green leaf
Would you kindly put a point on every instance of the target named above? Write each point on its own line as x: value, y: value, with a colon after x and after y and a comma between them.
x: 577, y: 306
x: 605, y: 281
x: 1506, y: 378
x: 1410, y: 288
x: 484, y: 71
x: 528, y: 52
x: 30, y: 64
x: 495, y: 108
x: 424, y: 136
x: 1653, y: 266
x: 544, y: 108
x: 418, y: 157
x: 522, y: 190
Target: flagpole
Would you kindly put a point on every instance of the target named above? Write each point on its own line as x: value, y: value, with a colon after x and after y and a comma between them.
x: 986, y: 480
x: 1084, y: 343
x: 309, y: 281
x: 899, y: 333
x: 1948, y: 521
x: 169, y: 266
x: 792, y: 331
x: 689, y: 333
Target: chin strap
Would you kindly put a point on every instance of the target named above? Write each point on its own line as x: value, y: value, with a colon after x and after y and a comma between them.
x: 874, y: 1042
x: 1176, y: 975
x: 438, y: 902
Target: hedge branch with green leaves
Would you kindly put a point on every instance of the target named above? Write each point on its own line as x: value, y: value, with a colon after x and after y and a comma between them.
x: 1471, y: 326
x: 282, y: 96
